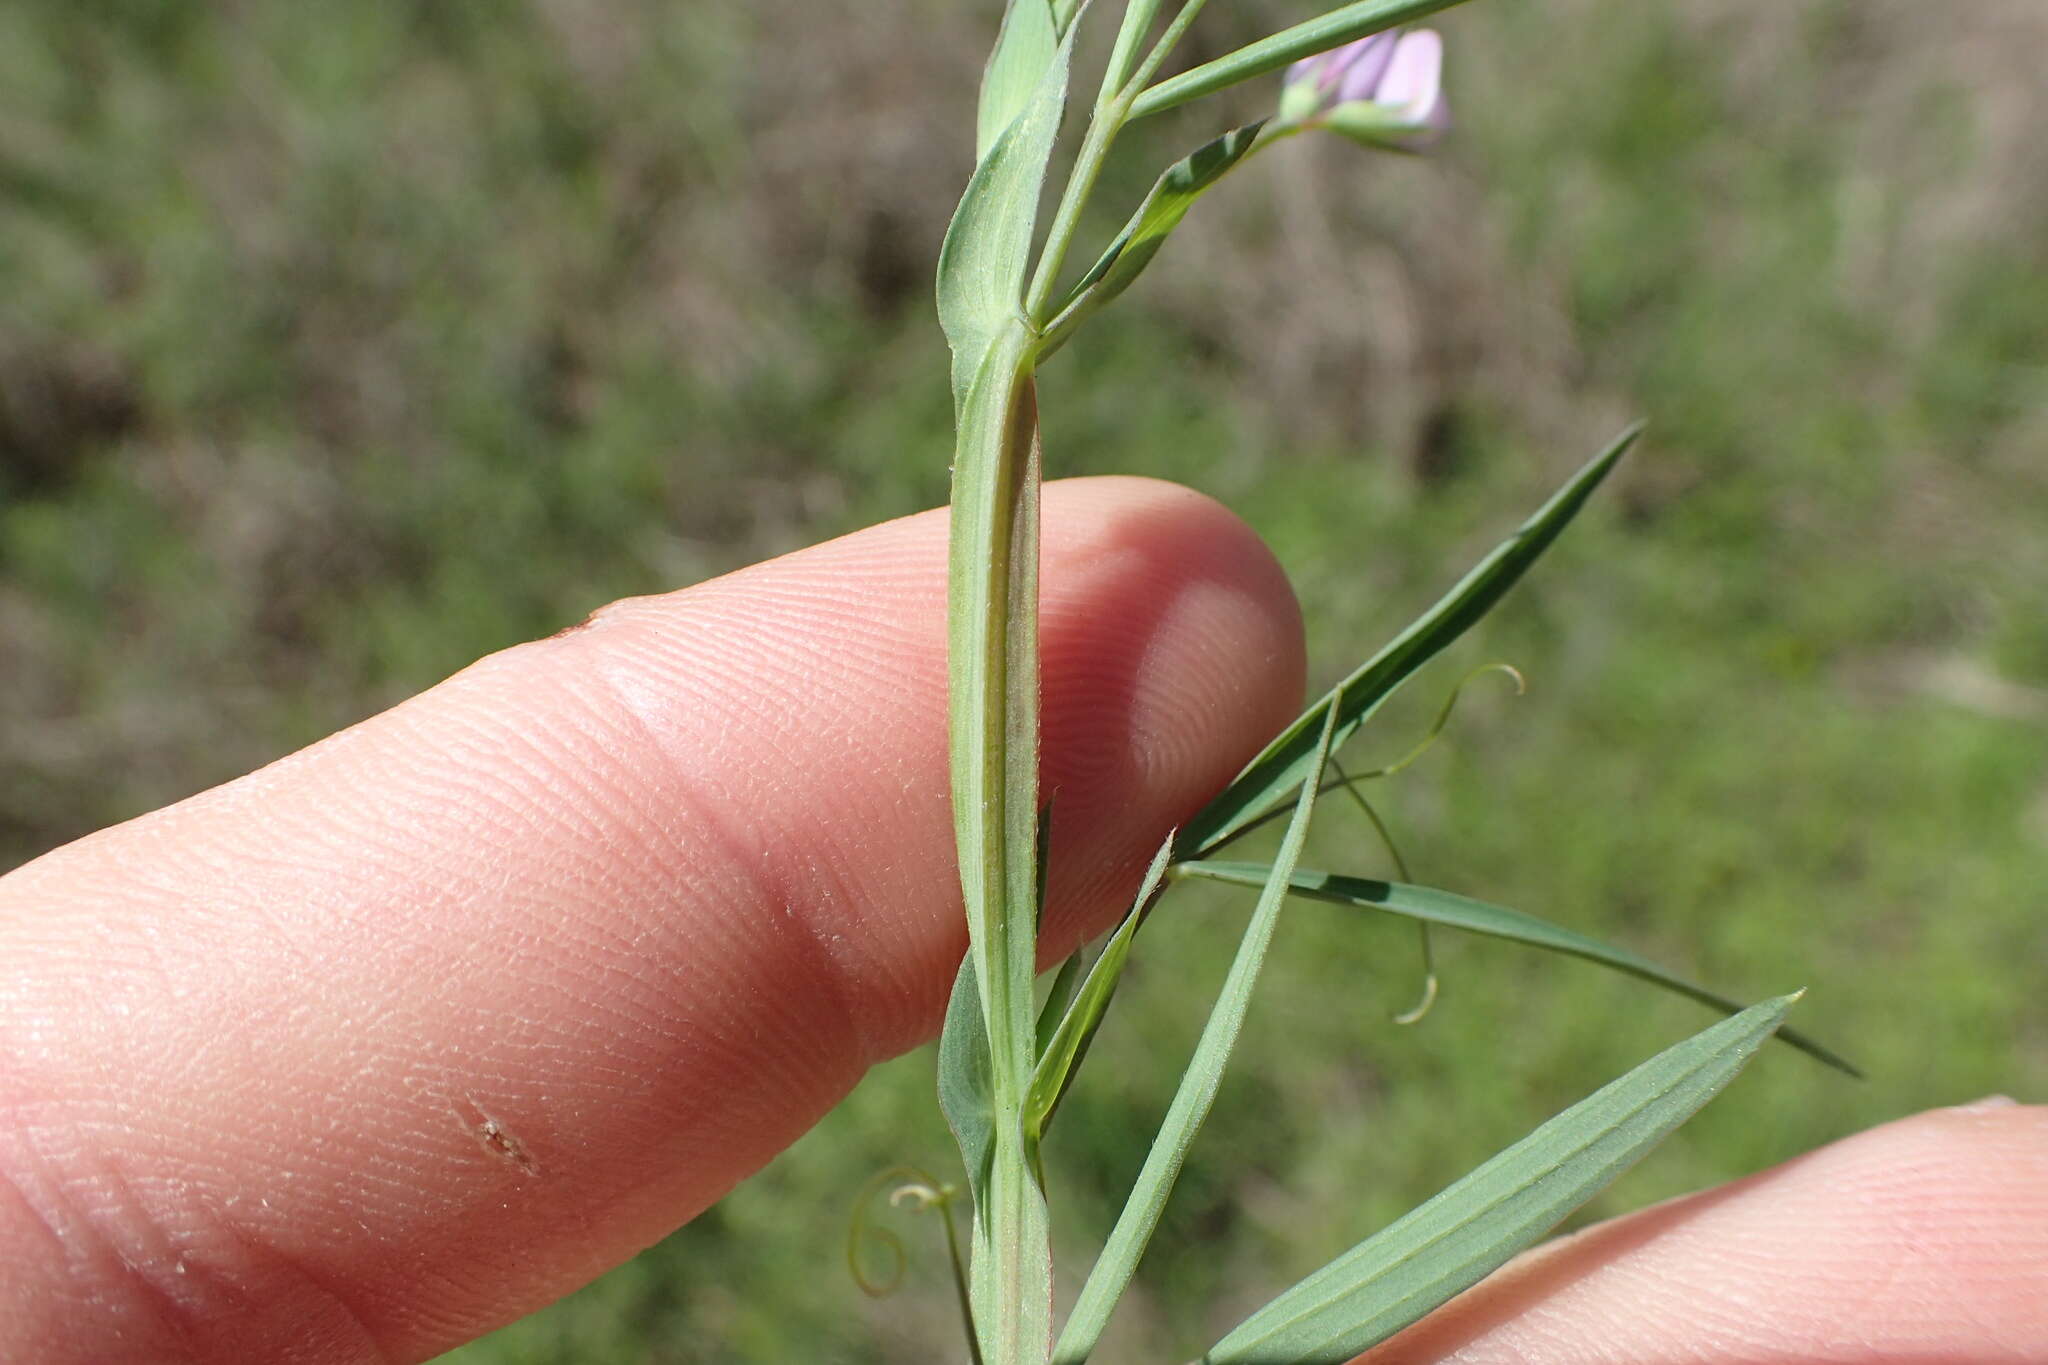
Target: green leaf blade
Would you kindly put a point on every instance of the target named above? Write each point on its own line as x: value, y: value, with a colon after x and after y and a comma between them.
x: 1465, y: 1233
x: 1161, y: 211
x: 966, y: 1095
x: 1060, y: 996
x: 987, y: 250
x: 1268, y: 778
x: 1113, y: 1269
x: 1024, y: 48
x: 1060, y: 1058
x: 1428, y: 905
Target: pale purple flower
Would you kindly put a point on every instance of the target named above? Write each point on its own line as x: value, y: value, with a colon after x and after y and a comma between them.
x: 1350, y: 72
x: 1385, y: 90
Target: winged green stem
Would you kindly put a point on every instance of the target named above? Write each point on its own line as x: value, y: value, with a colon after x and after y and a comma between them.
x: 1197, y: 1092
x: 992, y: 669
x: 1112, y: 103
x: 994, y: 742
x: 993, y: 643
x: 1005, y: 1065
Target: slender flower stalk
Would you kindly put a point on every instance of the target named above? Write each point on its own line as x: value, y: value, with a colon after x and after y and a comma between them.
x: 1112, y: 110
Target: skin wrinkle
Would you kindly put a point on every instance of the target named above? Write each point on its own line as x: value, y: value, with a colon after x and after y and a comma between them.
x: 326, y: 1335
x: 52, y: 1246
x: 1854, y: 1301
x: 550, y: 799
x: 584, y: 930
x: 28, y: 1174
x: 833, y: 958
x: 741, y: 849
x: 192, y: 1255
x: 359, y: 1175
x: 767, y: 937
x: 703, y: 1038
x: 124, y: 1234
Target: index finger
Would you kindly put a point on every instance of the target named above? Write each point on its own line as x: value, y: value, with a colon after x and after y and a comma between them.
x: 411, y: 1033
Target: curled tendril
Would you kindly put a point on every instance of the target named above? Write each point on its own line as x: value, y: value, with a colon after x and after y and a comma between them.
x: 865, y: 1238
x: 1415, y: 1013
x: 918, y: 1195
x: 1350, y: 781
x: 917, y: 1191
x: 1443, y: 717
x: 1421, y: 1008
x: 862, y: 1230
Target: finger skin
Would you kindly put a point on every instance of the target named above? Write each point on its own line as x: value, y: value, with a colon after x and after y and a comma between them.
x: 411, y: 1033
x: 1923, y: 1242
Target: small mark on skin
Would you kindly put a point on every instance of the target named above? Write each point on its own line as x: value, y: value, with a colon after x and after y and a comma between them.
x: 585, y: 624
x: 493, y: 1136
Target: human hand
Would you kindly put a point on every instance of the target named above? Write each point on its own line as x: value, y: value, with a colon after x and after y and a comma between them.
x: 410, y: 1033
x: 1922, y: 1242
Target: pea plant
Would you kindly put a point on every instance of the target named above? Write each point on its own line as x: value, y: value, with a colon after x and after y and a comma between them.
x: 1008, y: 303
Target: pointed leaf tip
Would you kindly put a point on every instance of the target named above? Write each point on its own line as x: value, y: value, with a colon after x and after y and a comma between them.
x: 1267, y: 779
x: 1450, y: 1243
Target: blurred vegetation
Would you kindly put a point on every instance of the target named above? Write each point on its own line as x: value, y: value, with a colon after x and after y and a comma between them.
x: 341, y: 345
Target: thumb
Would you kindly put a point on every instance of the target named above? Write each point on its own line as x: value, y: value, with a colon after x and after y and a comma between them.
x: 413, y: 1032
x: 1925, y: 1240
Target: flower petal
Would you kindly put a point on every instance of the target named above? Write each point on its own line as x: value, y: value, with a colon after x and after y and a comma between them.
x: 1360, y: 67
x: 1412, y: 86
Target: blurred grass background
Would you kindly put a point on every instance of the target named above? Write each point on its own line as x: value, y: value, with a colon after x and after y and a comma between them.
x: 339, y: 346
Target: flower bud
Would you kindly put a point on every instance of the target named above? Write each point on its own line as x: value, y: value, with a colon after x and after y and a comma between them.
x: 1385, y: 90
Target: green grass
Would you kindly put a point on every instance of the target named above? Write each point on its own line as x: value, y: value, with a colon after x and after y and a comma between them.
x: 342, y: 349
